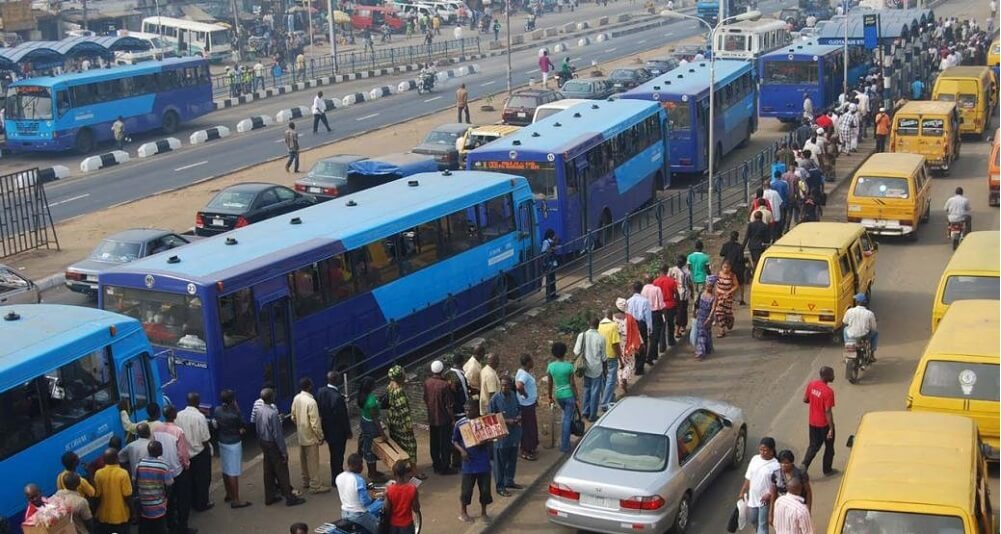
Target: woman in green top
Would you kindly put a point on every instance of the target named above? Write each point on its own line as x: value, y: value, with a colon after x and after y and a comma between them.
x: 562, y: 379
x: 370, y: 427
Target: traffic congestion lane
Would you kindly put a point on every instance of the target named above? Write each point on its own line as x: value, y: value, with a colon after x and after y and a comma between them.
x: 270, y: 106
x: 767, y: 377
x: 191, y: 165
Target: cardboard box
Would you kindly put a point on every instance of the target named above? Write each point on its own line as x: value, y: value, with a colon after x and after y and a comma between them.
x: 63, y: 526
x: 388, y: 451
x: 482, y: 429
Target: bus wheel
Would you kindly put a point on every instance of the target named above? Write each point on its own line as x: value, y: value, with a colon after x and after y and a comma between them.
x: 84, y: 141
x: 170, y: 122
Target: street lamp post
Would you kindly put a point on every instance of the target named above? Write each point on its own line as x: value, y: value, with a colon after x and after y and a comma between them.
x: 750, y: 15
x: 507, y: 25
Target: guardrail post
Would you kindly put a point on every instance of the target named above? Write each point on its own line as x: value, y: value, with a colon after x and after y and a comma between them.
x: 659, y: 214
x: 312, y: 67
x: 747, y: 183
x: 478, y: 45
x: 719, y: 197
x: 353, y: 69
x: 691, y: 208
x: 462, y: 48
x: 589, y: 246
x: 392, y: 57
x: 625, y: 232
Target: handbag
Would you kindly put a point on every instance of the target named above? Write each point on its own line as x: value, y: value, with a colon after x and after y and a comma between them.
x: 580, y: 363
x: 576, y: 424
x: 731, y: 525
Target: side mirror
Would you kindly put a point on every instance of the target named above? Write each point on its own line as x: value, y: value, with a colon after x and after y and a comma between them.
x: 727, y: 423
x: 851, y: 441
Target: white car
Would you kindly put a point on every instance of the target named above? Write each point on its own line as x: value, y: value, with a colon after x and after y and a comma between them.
x: 16, y: 288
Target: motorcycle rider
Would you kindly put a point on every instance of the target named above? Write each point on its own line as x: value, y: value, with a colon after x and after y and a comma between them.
x: 566, y: 70
x: 428, y: 74
x: 958, y: 210
x: 357, y: 505
x: 860, y: 322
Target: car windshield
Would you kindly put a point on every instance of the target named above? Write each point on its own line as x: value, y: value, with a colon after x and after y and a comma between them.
x: 329, y: 169
x: 867, y: 521
x: 623, y: 450
x: 970, y: 287
x: 622, y: 74
x: 9, y: 280
x: 577, y: 87
x: 881, y: 187
x: 233, y: 200
x: 169, y: 319
x: 441, y: 138
x: 29, y: 102
x: 116, y: 251
x: 961, y: 380
x: 517, y: 101
x: 795, y: 272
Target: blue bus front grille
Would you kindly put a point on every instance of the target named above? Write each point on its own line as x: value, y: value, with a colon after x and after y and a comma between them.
x: 26, y: 128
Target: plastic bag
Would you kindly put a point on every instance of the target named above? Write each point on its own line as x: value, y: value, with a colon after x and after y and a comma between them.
x: 741, y: 514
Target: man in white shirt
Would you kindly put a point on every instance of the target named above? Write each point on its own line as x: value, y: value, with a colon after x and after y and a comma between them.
x: 319, y: 112
x: 196, y: 434
x: 258, y: 75
x: 860, y: 322
x: 357, y: 505
x: 639, y: 307
x: 807, y: 107
x: 774, y: 200
x: 957, y: 208
x: 591, y: 344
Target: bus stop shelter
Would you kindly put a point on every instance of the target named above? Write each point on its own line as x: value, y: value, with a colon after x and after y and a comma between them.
x: 49, y: 54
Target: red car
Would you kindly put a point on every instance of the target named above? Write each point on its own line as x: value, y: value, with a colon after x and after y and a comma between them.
x: 372, y: 18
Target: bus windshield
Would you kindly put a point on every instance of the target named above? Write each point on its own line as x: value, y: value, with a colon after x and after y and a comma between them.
x: 219, y: 37
x: 678, y: 114
x: 169, y: 319
x: 790, y: 72
x: 29, y: 102
x: 541, y: 175
x: 734, y: 43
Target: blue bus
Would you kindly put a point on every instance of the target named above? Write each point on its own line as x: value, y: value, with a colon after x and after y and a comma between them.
x: 358, y: 282
x: 588, y: 165
x: 75, y: 111
x: 684, y: 93
x: 63, y: 370
x: 810, y: 68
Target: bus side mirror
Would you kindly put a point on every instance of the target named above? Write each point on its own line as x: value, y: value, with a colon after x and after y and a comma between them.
x: 168, y: 355
x: 851, y: 441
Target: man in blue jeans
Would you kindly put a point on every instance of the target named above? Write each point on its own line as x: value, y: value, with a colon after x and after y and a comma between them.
x: 591, y: 345
x: 357, y: 505
x: 609, y: 330
x: 505, y: 403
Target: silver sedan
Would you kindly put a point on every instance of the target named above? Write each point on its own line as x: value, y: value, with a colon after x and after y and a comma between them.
x: 643, y: 464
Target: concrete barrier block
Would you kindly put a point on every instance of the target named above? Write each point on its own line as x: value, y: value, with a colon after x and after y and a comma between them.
x: 623, y: 17
x: 603, y: 21
x: 353, y: 98
x: 94, y: 163
x: 496, y: 45
x: 474, y: 68
x: 583, y: 25
x: 406, y: 85
x: 442, y: 76
x: 560, y: 47
x: 159, y: 146
x: 569, y: 27
x: 380, y: 92
x: 254, y: 123
x: 461, y: 71
x: 538, y: 35
x: 51, y: 174
x: 211, y: 134
x: 518, y: 39
x: 602, y: 37
x: 286, y: 115
x: 552, y: 32
x: 583, y: 41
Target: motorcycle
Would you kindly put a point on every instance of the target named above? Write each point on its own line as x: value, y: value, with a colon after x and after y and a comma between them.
x: 426, y: 83
x: 346, y: 526
x: 560, y: 79
x: 530, y: 25
x: 858, y: 358
x: 957, y: 231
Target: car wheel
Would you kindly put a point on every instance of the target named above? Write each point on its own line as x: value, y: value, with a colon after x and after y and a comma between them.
x: 739, y: 447
x: 684, y: 512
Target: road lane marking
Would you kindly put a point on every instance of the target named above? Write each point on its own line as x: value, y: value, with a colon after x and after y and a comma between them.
x: 366, y: 117
x: 70, y: 199
x: 491, y: 82
x: 641, y: 41
x: 610, y: 50
x: 193, y: 165
x: 531, y: 71
x: 432, y: 99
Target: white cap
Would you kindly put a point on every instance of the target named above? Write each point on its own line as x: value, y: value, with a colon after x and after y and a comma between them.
x: 437, y: 366
x: 820, y: 130
x: 882, y: 109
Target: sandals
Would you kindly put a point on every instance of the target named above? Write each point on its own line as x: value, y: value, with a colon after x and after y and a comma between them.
x: 529, y: 457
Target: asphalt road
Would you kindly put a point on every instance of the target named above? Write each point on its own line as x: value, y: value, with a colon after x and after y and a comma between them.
x: 766, y: 377
x: 143, y: 178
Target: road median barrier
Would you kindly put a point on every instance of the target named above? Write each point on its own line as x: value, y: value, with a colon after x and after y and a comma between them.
x: 254, y: 123
x: 602, y: 37
x: 286, y: 115
x: 406, y: 85
x: 559, y: 47
x: 582, y: 42
x: 210, y: 134
x: 101, y: 161
x: 353, y: 98
x: 584, y: 25
x: 159, y: 146
x: 380, y: 92
x: 53, y: 173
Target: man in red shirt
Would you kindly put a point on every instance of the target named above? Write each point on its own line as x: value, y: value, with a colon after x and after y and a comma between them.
x: 820, y: 397
x: 669, y: 287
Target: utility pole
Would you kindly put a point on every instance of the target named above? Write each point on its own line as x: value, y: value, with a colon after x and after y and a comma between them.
x: 236, y: 30
x: 330, y: 28
x: 309, y: 22
x: 507, y: 13
x: 84, y: 2
x: 845, y: 52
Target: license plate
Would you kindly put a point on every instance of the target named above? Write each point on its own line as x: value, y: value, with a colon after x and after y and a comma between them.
x: 522, y: 115
x: 315, y: 190
x: 599, y: 502
x: 91, y: 278
x: 794, y: 318
x: 218, y: 222
x: 850, y: 354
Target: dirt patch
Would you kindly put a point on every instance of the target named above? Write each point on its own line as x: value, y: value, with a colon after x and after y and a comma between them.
x: 176, y: 210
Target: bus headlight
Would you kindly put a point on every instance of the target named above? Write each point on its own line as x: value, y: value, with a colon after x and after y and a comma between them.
x: 854, y: 207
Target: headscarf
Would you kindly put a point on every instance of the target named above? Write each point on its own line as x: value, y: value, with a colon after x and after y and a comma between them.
x: 711, y: 280
x: 396, y: 373
x: 620, y: 303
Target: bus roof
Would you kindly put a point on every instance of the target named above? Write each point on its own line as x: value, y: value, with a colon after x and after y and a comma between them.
x: 820, y: 235
x: 333, y: 225
x: 805, y: 51
x: 97, y: 75
x: 978, y: 252
x: 888, y: 447
x: 563, y: 131
x: 969, y: 328
x: 979, y: 71
x: 185, y: 23
x: 926, y: 107
x: 40, y: 338
x: 753, y: 26
x: 890, y: 164
x: 691, y: 79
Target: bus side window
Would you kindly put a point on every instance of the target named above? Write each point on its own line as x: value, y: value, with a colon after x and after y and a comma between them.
x: 22, y: 418
x: 236, y: 317
x: 868, y: 247
x: 81, y: 388
x: 338, y: 284
x: 62, y: 102
x: 497, y: 217
x: 460, y: 232
x: 133, y: 382
x: 306, y: 293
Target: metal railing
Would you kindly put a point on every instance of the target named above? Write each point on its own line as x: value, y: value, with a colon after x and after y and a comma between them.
x: 678, y: 212
x: 25, y: 219
x: 347, y: 62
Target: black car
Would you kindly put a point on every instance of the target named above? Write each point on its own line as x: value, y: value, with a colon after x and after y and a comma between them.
x: 626, y: 79
x: 520, y: 107
x: 328, y: 178
x: 660, y: 66
x: 242, y: 204
x: 440, y: 143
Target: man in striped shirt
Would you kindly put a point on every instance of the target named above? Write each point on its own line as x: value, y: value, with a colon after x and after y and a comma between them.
x: 791, y: 515
x: 152, y: 479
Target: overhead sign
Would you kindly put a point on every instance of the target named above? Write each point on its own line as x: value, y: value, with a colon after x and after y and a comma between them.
x: 870, y: 30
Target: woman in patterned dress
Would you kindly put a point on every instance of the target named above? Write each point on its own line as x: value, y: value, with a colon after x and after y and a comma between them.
x: 401, y: 423
x: 705, y: 310
x: 726, y: 287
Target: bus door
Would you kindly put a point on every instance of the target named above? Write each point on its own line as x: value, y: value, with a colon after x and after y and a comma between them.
x: 135, y: 383
x: 527, y: 238
x: 700, y: 134
x: 576, y: 177
x: 274, y: 317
